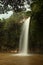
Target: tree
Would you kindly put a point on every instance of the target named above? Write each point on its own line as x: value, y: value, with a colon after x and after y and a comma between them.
x: 16, y: 5
x: 36, y: 25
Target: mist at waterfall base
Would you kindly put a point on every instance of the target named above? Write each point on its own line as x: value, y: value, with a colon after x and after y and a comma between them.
x: 23, y: 44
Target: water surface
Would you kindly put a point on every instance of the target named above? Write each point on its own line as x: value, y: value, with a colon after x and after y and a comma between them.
x: 7, y: 59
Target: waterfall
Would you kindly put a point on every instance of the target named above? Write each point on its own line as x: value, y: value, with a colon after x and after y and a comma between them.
x: 23, y: 44
x: 23, y: 47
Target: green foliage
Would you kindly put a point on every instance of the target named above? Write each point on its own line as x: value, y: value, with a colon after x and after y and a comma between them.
x: 9, y: 34
x: 16, y: 5
x: 36, y: 26
x: 17, y: 17
x: 28, y: 13
x: 10, y: 30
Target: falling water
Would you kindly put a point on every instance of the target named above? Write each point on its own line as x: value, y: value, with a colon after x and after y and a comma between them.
x: 23, y: 47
